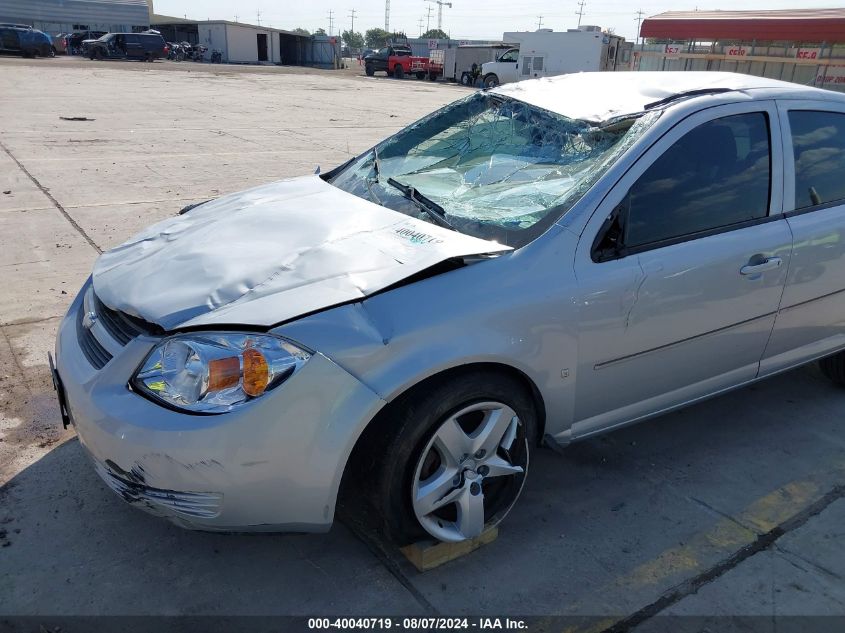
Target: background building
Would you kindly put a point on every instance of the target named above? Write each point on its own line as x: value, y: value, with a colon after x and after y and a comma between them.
x: 243, y: 43
x: 805, y: 46
x: 54, y: 16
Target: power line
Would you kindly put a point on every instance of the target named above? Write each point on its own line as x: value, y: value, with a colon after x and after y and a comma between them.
x: 639, y: 15
x: 580, y: 11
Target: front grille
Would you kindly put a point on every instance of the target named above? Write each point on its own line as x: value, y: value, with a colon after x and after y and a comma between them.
x: 122, y: 327
x: 96, y: 354
x: 101, y: 330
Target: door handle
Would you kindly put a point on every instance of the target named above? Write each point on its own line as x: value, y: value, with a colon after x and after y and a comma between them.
x: 759, y: 264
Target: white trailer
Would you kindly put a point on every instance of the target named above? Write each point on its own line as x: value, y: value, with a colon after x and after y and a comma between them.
x: 458, y: 60
x: 546, y: 53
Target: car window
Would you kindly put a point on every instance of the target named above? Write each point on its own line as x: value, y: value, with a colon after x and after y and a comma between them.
x: 818, y: 143
x: 716, y: 175
x: 510, y: 56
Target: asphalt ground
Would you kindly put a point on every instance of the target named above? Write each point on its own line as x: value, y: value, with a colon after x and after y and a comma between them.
x: 733, y: 507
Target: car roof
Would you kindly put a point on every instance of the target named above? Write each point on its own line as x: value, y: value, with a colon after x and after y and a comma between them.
x: 602, y: 96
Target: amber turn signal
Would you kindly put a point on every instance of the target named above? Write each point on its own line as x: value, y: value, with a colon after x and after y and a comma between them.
x: 256, y: 372
x: 224, y: 373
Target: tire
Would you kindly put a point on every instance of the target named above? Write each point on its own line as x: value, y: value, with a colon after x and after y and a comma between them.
x: 398, y: 72
x: 833, y: 367
x: 432, y: 76
x: 443, y: 414
x: 369, y: 70
x: 52, y: 51
x: 420, y: 75
x: 466, y: 80
x: 491, y: 81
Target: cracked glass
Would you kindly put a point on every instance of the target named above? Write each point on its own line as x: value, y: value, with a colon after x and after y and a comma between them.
x: 493, y: 167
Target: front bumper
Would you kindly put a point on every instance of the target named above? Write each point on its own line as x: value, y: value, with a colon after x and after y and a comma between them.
x: 273, y: 464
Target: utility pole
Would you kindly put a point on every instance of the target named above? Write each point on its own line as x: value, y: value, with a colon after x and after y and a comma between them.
x: 236, y: 17
x: 639, y: 15
x: 331, y: 22
x: 259, y: 17
x: 440, y: 4
x: 580, y: 11
x: 352, y: 13
x: 421, y: 22
x: 387, y: 16
x: 539, y: 22
x: 428, y: 19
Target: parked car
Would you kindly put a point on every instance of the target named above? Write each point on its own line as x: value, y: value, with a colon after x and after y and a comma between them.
x: 75, y: 39
x: 533, y: 264
x: 395, y: 60
x: 60, y: 43
x: 20, y: 39
x: 139, y: 46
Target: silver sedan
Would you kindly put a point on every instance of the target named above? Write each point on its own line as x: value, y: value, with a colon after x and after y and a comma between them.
x: 533, y: 264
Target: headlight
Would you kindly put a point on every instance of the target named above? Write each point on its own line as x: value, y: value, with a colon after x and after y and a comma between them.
x: 213, y: 372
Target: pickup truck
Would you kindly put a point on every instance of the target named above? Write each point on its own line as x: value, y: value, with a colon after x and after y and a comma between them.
x: 398, y: 61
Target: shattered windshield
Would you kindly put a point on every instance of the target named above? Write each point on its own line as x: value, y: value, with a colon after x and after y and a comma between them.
x: 489, y: 166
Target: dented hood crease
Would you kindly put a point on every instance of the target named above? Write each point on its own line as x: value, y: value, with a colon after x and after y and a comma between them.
x: 271, y: 254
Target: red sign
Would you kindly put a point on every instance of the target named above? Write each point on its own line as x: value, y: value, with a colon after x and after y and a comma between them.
x: 737, y: 51
x: 672, y: 49
x: 808, y: 53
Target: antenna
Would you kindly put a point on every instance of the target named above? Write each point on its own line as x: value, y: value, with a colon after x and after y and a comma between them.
x: 387, y: 15
x: 352, y: 13
x: 580, y: 11
x: 539, y: 22
x: 639, y: 15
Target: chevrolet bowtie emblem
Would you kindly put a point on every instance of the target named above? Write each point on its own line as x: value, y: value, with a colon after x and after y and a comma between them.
x: 89, y: 319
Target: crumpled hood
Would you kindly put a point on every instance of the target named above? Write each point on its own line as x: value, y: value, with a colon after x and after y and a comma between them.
x: 270, y: 254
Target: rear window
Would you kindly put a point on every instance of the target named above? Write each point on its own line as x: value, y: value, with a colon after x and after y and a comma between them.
x: 818, y: 144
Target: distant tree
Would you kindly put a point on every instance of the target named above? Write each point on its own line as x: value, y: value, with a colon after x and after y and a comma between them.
x: 320, y: 32
x: 352, y: 40
x: 376, y: 38
x: 301, y: 31
x: 435, y: 34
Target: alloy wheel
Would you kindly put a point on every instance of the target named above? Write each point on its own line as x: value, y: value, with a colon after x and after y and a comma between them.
x: 471, y: 472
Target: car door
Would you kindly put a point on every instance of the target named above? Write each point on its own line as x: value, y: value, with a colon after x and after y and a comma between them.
x: 134, y: 47
x: 507, y: 66
x: 681, y: 268
x: 811, y: 322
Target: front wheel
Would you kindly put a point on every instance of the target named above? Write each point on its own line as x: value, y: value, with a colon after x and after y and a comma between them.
x: 459, y: 458
x: 369, y: 70
x: 398, y: 72
x: 491, y: 81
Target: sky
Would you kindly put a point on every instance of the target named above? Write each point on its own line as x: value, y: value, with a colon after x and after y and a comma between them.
x: 467, y: 19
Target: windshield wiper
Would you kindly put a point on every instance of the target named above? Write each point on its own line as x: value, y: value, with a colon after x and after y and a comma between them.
x: 423, y: 203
